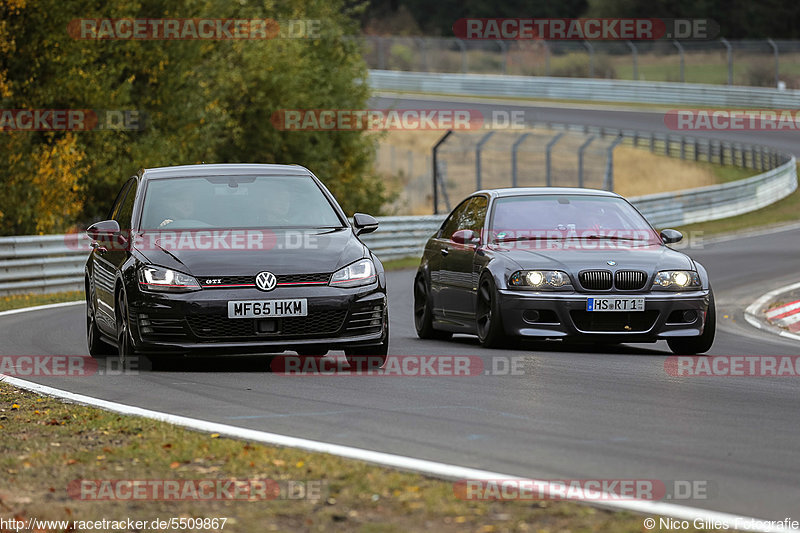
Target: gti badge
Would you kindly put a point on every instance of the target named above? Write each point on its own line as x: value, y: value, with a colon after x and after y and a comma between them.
x: 266, y: 281
x: 611, y: 263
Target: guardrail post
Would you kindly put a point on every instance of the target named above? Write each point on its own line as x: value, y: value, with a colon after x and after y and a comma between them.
x: 381, y: 54
x: 478, y: 149
x: 546, y: 57
x: 514, y: 148
x: 580, y: 158
x: 590, y: 48
x: 729, y: 51
x: 652, y: 142
x: 696, y: 150
x: 435, y: 157
x: 608, y: 180
x: 683, y: 148
x: 777, y: 61
x: 548, y: 150
x: 423, y: 52
x: 504, y: 50
x: 463, y: 48
x: 683, y: 63
x: 635, y: 54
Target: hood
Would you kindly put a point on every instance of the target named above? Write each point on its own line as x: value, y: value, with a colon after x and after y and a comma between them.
x: 247, y: 252
x: 649, y: 258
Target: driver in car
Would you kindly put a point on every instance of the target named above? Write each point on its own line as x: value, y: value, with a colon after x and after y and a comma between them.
x: 182, y: 209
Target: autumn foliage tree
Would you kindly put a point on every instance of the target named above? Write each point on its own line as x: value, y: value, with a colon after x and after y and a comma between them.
x: 202, y: 101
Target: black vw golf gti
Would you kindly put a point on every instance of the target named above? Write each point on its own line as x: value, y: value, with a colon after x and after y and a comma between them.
x: 575, y: 264
x: 241, y: 258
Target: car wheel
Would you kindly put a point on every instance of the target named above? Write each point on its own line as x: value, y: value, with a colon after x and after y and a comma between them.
x: 423, y: 316
x: 702, y: 343
x: 124, y: 341
x: 370, y: 357
x: 98, y: 348
x: 488, y: 321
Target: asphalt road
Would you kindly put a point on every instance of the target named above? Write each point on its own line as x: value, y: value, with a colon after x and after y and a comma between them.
x: 575, y: 412
x: 590, y: 115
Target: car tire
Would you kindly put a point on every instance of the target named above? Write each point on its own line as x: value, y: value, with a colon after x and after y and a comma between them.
x: 488, y: 320
x: 98, y: 348
x: 125, y: 349
x: 701, y: 343
x: 423, y: 315
x: 370, y: 357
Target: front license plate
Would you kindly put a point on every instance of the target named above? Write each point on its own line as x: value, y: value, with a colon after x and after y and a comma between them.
x: 615, y: 304
x: 267, y: 308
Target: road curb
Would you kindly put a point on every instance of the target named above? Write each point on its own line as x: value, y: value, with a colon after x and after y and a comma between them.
x: 754, y: 314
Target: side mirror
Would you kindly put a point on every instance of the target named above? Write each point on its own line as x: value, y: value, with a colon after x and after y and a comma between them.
x: 671, y: 235
x: 103, y: 229
x: 465, y: 236
x: 364, y: 223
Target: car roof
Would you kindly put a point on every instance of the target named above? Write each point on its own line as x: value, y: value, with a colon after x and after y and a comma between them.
x: 226, y: 169
x: 522, y: 191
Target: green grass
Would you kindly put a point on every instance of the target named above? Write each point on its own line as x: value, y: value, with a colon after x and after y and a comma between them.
x: 727, y: 173
x: 17, y: 301
x: 401, y: 264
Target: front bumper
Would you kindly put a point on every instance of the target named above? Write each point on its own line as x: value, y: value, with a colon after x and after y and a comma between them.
x: 564, y: 315
x: 198, y: 321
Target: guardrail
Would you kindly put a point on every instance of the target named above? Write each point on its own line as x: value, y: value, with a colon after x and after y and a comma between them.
x: 52, y: 263
x: 600, y: 90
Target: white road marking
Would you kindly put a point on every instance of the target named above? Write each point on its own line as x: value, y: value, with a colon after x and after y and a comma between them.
x: 442, y: 470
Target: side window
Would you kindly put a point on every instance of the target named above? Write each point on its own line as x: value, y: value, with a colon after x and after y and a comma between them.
x: 125, y: 212
x: 453, y: 222
x: 112, y: 215
x: 474, y: 215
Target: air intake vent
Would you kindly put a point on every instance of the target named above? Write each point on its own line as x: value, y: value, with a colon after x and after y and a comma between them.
x: 630, y: 280
x: 595, y: 280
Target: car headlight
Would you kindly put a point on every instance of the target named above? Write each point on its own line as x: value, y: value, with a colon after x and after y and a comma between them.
x: 160, y: 279
x: 539, y: 279
x: 677, y: 280
x: 355, y: 274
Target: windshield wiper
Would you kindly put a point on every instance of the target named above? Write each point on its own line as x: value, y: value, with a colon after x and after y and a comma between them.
x: 530, y: 238
x: 609, y: 237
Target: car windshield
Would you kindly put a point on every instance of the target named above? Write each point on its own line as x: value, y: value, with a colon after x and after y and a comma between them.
x: 565, y: 216
x: 237, y: 202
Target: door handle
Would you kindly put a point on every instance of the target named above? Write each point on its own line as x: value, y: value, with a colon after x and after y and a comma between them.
x: 445, y: 251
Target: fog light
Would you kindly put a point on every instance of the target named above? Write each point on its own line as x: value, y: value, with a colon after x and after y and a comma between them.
x: 690, y: 315
x: 530, y: 315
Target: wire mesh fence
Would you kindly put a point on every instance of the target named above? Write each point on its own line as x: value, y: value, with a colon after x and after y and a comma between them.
x: 556, y: 155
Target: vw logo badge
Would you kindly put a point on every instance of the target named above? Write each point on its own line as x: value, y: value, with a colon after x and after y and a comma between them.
x: 266, y: 281
x: 611, y: 263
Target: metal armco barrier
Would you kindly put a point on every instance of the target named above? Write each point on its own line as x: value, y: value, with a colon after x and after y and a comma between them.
x: 599, y: 90
x: 52, y: 263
